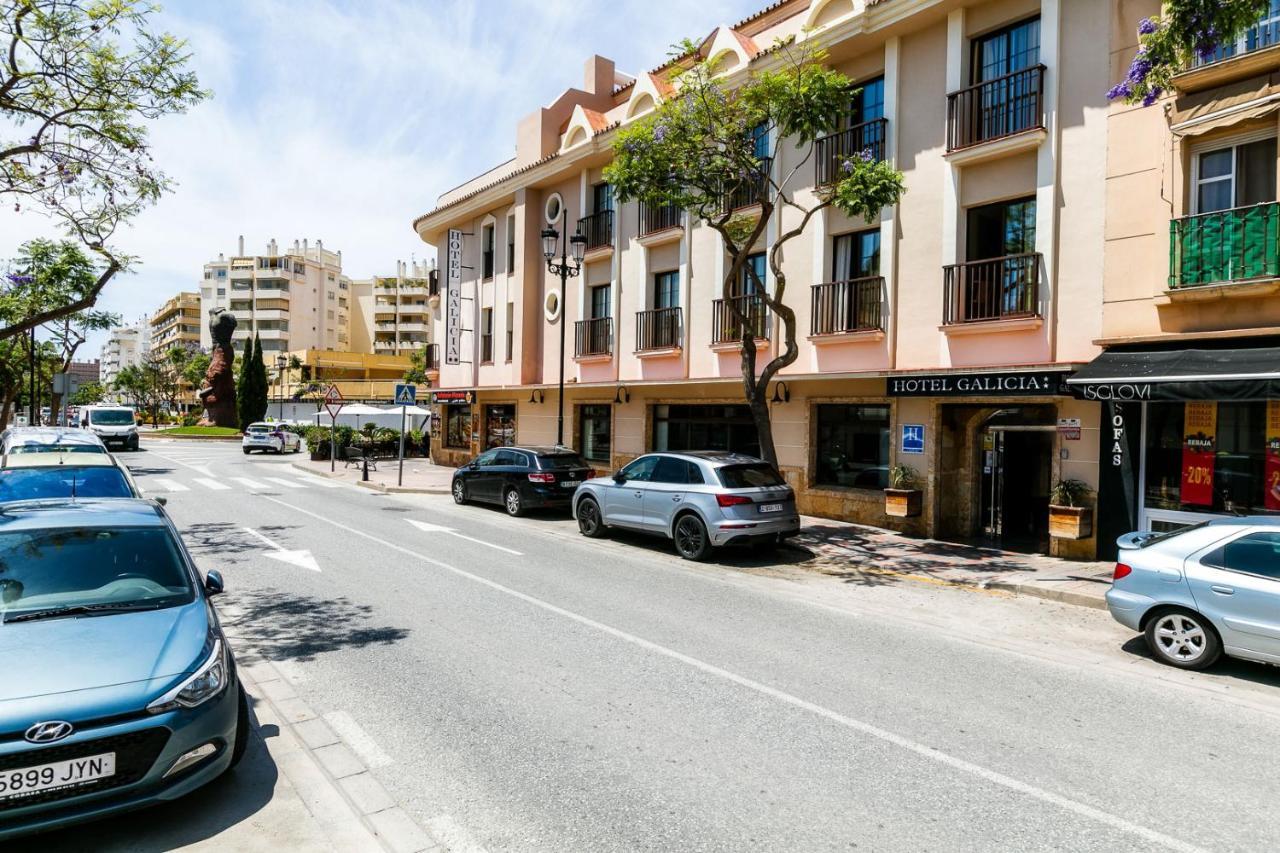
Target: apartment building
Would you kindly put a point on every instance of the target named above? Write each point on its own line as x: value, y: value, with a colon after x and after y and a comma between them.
x: 390, y: 314
x: 937, y: 336
x: 1190, y: 377
x: 296, y: 299
x: 125, y: 346
x: 177, y: 322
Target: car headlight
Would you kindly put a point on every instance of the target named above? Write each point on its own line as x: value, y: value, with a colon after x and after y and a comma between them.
x: 199, y: 687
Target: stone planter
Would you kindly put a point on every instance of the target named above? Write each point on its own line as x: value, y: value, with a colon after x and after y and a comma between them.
x: 1070, y: 522
x: 902, y: 503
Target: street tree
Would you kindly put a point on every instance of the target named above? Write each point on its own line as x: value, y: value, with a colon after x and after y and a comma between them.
x: 79, y: 82
x: 88, y: 394
x: 705, y: 144
x: 416, y: 373
x: 252, y: 388
x: 1185, y: 30
x: 68, y: 334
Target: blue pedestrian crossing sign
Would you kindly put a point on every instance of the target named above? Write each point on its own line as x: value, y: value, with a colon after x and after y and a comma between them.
x: 406, y: 395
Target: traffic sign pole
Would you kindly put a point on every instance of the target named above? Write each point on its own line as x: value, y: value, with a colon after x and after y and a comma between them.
x: 404, y: 416
x: 333, y: 404
x: 406, y: 395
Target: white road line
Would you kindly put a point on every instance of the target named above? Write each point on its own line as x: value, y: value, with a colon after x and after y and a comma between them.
x: 303, y: 559
x: 994, y: 777
x: 288, y: 484
x: 250, y: 484
x: 357, y: 738
x: 319, y: 481
x: 202, y: 468
x: 436, y: 528
x: 209, y: 483
x: 170, y: 485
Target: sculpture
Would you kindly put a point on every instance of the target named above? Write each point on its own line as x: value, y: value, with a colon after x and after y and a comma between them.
x: 219, y: 392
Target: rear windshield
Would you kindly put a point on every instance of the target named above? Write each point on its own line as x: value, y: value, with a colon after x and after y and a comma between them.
x: 1170, y: 534
x: 749, y: 476
x: 67, y: 567
x: 57, y: 448
x: 258, y: 428
x: 62, y: 481
x: 560, y: 461
x: 111, y: 417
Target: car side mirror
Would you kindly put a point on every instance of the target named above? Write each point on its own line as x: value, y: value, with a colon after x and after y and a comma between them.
x: 213, y: 584
x: 619, y: 477
x: 473, y: 465
x: 163, y: 501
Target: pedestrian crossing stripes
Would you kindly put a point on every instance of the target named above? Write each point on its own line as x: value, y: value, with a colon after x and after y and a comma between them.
x: 250, y: 483
x: 212, y: 484
x: 171, y: 485
x: 265, y: 484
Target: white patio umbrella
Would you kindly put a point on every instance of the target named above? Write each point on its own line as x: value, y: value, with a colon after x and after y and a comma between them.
x: 354, y: 410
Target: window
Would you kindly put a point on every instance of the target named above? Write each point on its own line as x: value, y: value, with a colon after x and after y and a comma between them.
x: 1004, y: 228
x: 754, y: 476
x: 666, y: 289
x: 513, y: 459
x: 1265, y: 33
x: 1006, y: 51
x: 672, y: 470
x: 852, y: 446
x: 511, y: 329
x: 62, y: 481
x: 486, y: 336
x: 331, y: 295
x: 753, y: 275
x: 601, y: 301
x: 1255, y: 554
x: 222, y: 291
x: 641, y: 471
x: 1235, y: 176
x: 457, y: 422
x: 867, y: 103
x: 500, y: 426
x: 487, y: 459
x: 601, y: 198
x: 855, y: 255
x: 222, y: 273
x: 486, y: 247
x: 596, y: 428
x: 511, y: 244
x: 760, y: 141
x: 705, y: 427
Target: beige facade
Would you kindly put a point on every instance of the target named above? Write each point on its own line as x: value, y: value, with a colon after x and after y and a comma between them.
x: 645, y: 361
x: 177, y: 322
x: 391, y: 315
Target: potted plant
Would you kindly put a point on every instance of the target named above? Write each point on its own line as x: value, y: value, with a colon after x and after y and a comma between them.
x: 902, y: 499
x: 1069, y: 518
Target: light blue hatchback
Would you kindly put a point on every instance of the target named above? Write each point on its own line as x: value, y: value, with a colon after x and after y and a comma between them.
x: 118, y: 687
x: 1202, y: 591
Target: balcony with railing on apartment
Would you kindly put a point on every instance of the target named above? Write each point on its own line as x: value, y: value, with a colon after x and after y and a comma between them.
x: 1254, y: 53
x: 598, y: 229
x: 593, y: 338
x: 831, y: 152
x: 655, y: 220
x: 1225, y: 247
x: 748, y: 190
x: 731, y: 318
x: 850, y: 308
x: 993, y: 289
x: 659, y: 330
x: 998, y: 109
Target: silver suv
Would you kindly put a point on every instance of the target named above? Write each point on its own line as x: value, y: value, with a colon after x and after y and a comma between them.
x: 699, y: 499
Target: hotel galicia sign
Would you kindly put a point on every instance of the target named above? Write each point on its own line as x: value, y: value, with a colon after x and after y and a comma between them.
x: 1007, y: 384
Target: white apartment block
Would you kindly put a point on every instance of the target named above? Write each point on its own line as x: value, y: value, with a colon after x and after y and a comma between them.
x: 295, y: 300
x: 125, y: 346
x: 392, y: 314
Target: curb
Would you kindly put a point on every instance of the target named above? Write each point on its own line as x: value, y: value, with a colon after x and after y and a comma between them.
x: 371, y: 485
x: 1062, y: 596
x: 154, y: 437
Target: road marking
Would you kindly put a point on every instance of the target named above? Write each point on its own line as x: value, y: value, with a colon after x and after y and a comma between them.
x: 436, y: 528
x: 170, y: 485
x: 250, y: 484
x: 281, y: 481
x: 201, y: 468
x: 209, y: 483
x: 319, y: 481
x: 924, y: 751
x: 302, y: 559
x: 358, y: 739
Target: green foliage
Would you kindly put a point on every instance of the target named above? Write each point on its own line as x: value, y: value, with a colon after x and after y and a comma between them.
x: 151, y: 384
x: 261, y: 388
x: 88, y: 394
x: 252, y: 389
x: 417, y: 371
x: 903, y: 477
x: 46, y: 275
x: 1069, y: 493
x: 867, y: 186
x: 1168, y: 43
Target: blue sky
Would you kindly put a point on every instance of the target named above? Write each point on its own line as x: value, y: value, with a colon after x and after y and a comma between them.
x: 342, y: 121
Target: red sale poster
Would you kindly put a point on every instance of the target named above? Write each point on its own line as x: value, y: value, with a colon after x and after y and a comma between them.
x: 1199, y: 443
x: 1272, y: 477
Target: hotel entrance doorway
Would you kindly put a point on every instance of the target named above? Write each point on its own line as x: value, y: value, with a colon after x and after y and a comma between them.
x: 1016, y: 472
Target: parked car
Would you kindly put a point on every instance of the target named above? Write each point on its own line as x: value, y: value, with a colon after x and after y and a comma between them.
x: 700, y: 500
x: 113, y: 424
x: 521, y: 478
x: 1202, y: 591
x: 269, y: 436
x: 119, y: 687
x: 49, y: 440
x: 57, y: 476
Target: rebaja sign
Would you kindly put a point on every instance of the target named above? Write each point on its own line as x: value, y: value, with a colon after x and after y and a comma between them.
x: 978, y: 384
x: 453, y: 299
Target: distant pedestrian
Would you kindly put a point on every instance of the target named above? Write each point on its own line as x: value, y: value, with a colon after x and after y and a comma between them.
x: 426, y: 438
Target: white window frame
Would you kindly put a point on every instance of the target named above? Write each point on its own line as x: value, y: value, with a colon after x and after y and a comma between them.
x: 1232, y: 144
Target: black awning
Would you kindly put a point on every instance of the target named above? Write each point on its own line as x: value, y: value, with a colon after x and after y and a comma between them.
x: 1251, y: 373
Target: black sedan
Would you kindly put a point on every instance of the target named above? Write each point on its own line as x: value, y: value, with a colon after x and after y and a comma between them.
x: 521, y: 478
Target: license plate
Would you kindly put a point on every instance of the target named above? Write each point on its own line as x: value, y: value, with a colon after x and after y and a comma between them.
x: 771, y: 507
x: 59, y: 774
x: 568, y: 484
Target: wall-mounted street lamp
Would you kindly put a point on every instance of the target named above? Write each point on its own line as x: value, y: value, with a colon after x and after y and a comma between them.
x: 536, y: 396
x: 622, y: 395
x: 781, y: 393
x: 553, y: 241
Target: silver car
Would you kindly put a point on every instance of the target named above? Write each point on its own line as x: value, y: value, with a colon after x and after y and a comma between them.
x: 700, y: 500
x: 1198, y: 592
x: 49, y: 440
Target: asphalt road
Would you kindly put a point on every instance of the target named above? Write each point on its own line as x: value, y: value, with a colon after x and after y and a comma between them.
x: 517, y: 687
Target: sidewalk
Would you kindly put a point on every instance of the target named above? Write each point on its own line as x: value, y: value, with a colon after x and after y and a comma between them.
x: 421, y: 476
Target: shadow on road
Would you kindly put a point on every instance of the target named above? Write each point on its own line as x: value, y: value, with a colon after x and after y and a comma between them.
x: 222, y: 537
x: 1244, y: 670
x: 291, y: 625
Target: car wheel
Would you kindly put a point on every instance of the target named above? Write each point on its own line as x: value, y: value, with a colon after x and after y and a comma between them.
x: 459, y: 492
x: 1183, y: 639
x: 297, y: 448
x: 691, y: 538
x: 242, y: 730
x: 246, y: 450
x: 513, y: 502
x: 590, y: 524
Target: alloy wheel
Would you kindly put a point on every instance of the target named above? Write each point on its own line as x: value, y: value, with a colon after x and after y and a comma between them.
x: 690, y: 537
x: 589, y: 518
x: 1180, y: 637
x: 513, y: 502
x: 459, y: 492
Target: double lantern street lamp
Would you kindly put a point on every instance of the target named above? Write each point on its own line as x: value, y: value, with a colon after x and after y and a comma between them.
x: 553, y: 241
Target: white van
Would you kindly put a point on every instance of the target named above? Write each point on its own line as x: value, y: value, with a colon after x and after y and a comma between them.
x: 115, y: 425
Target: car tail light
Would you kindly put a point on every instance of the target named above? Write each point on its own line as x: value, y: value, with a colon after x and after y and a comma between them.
x: 1122, y: 571
x: 591, y: 473
x: 542, y: 478
x: 732, y: 500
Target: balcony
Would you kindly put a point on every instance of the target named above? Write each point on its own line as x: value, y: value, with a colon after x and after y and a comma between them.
x: 992, y: 289
x: 847, y: 307
x: 832, y: 151
x: 658, y: 329
x: 996, y: 109
x: 654, y: 220
x: 598, y: 229
x: 432, y: 360
x: 433, y: 283
x: 749, y: 190
x: 384, y: 346
x: 411, y: 326
x: 593, y: 337
x: 1225, y: 247
x: 726, y: 328
x: 1262, y: 35
x: 413, y: 288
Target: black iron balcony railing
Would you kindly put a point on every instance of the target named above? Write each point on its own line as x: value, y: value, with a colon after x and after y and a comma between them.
x: 655, y: 219
x: 598, y: 229
x: 1225, y: 246
x: 839, y: 307
x: 992, y: 289
x: 727, y: 328
x: 658, y: 328
x: 1264, y: 34
x: 832, y: 151
x: 593, y: 337
x: 432, y: 360
x: 433, y: 283
x: 994, y: 109
x: 749, y: 189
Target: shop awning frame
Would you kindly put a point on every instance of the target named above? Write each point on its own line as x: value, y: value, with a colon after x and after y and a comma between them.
x: 1181, y: 374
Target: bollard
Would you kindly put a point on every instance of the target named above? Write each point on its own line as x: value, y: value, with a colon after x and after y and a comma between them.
x: 365, y: 466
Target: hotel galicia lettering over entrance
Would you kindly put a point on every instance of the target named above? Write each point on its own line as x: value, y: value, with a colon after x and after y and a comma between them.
x: 1008, y: 384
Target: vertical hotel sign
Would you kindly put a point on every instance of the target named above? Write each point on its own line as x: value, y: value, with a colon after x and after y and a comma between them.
x: 1272, y: 469
x: 1199, y: 446
x: 453, y: 299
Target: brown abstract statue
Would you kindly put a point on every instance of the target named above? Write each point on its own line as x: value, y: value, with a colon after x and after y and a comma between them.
x: 219, y: 391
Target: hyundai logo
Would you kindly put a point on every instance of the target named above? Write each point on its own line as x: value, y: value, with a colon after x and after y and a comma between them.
x: 48, y: 732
